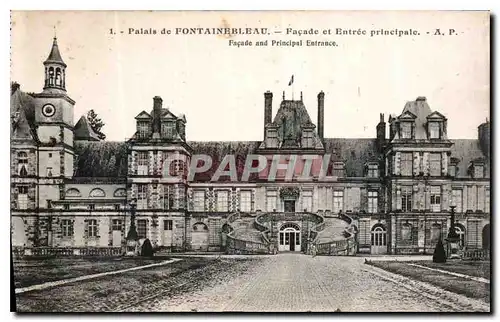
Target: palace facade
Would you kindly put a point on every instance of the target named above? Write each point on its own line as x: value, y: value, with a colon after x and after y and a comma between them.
x: 390, y: 194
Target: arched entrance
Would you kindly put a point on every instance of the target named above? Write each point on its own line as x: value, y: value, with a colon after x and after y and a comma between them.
x: 289, y: 238
x: 486, y: 237
x: 379, y: 239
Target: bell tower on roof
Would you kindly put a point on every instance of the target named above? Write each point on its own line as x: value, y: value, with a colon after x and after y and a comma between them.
x: 55, y: 70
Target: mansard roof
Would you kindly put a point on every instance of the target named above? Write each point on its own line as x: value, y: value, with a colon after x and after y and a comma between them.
x: 467, y: 150
x: 83, y: 131
x: 100, y: 159
x: 22, y: 113
x: 420, y: 109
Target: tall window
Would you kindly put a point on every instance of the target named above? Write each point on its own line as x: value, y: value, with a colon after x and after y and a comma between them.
x: 406, y: 199
x: 457, y: 199
x: 198, y: 200
x: 338, y: 169
x: 478, y: 171
x: 142, y: 228
x: 406, y: 232
x: 178, y: 168
x: 434, y: 130
x: 372, y: 202
x: 167, y: 198
x: 168, y: 129
x: 435, y: 164
x: 435, y: 233
x: 379, y: 236
x: 143, y: 129
x: 67, y: 228
x: 338, y: 200
x: 92, y: 228
x: 181, y: 192
x: 22, y: 163
x: 272, y: 138
x: 222, y: 201
x: 406, y: 130
x: 117, y: 225
x: 307, y: 200
x: 271, y: 200
x: 142, y: 196
x: 406, y: 164
x: 372, y: 171
x: 22, y: 197
x: 308, y: 139
x: 245, y: 200
x: 142, y: 163
x: 167, y: 225
x: 487, y: 199
x: 435, y: 198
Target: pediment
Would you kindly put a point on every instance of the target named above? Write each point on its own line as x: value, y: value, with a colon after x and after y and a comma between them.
x: 143, y: 116
x: 407, y: 116
x: 436, y: 116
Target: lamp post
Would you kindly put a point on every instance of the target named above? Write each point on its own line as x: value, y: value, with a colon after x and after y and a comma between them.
x: 132, y: 235
x: 452, y: 240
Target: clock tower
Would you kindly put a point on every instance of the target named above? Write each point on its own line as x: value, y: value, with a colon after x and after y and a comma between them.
x: 54, y: 121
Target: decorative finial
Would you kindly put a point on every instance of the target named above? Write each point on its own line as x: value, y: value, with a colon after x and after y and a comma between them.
x: 283, y: 95
x: 301, y: 95
x: 55, y: 32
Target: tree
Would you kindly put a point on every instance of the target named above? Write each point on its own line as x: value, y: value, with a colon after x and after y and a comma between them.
x: 147, y: 249
x: 96, y: 124
x: 439, y: 253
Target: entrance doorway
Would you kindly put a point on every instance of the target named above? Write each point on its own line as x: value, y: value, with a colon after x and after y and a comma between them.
x: 289, y: 238
x: 289, y: 205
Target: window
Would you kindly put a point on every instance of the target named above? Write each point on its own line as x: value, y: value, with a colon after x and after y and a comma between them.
x: 308, y: 139
x: 406, y: 199
x: 406, y: 232
x: 272, y: 138
x: 167, y: 198
x: 143, y: 129
x: 271, y: 200
x: 372, y: 202
x: 338, y: 201
x: 435, y: 233
x: 478, y: 171
x: 434, y: 130
x: 142, y: 228
x: 22, y: 164
x: 142, y: 163
x: 66, y: 206
x: 117, y: 207
x: 245, y: 200
x: 167, y: 225
x: 487, y: 199
x: 456, y: 199
x: 92, y: 228
x: 67, y: 228
x: 435, y: 198
x: 372, y: 171
x: 435, y: 164
x: 379, y: 236
x: 222, y: 201
x: 91, y: 207
x: 307, y: 200
x: 117, y: 225
x: 50, y: 155
x: 142, y: 196
x: 181, y: 192
x: 460, y: 230
x: 168, y: 129
x: 406, y: 164
x: 406, y: 130
x: 49, y: 172
x: 338, y: 169
x: 22, y: 197
x: 178, y: 168
x: 199, y: 200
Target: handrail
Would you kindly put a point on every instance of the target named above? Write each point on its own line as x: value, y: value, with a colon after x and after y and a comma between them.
x: 242, y: 244
x: 340, y: 247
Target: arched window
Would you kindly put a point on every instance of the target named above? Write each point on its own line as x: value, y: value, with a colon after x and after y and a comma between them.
x: 460, y: 230
x: 51, y: 76
x: 58, y: 77
x: 379, y: 235
x: 200, y: 227
x: 73, y: 193
x: 406, y: 232
x: 435, y: 233
x: 97, y: 192
x: 290, y: 225
x: 22, y: 163
x: 120, y: 192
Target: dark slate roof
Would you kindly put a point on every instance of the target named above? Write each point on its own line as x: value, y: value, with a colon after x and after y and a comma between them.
x: 55, y: 55
x: 22, y: 112
x: 354, y: 152
x: 421, y: 109
x: 83, y: 131
x: 467, y: 150
x: 100, y: 159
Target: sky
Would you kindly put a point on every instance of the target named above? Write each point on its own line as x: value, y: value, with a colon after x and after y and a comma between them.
x: 220, y: 88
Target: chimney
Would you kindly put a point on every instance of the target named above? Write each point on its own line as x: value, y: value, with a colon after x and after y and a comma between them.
x: 381, y: 133
x: 483, y: 132
x: 321, y: 114
x: 268, y: 108
x: 156, y: 114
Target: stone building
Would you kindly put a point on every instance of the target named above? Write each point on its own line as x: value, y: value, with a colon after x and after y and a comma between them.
x: 389, y: 194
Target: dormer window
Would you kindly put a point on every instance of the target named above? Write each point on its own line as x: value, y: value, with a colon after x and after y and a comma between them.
x: 406, y: 130
x: 272, y: 138
x: 478, y: 171
x: 434, y: 131
x: 167, y: 129
x: 338, y: 169
x: 372, y: 170
x: 22, y: 163
x: 307, y: 139
x: 143, y: 129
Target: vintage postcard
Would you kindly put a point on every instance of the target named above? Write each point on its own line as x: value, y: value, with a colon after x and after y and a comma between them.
x: 322, y: 161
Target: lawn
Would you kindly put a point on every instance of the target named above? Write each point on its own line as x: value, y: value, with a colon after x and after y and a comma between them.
x: 130, y: 290
x: 467, y: 287
x: 29, y: 272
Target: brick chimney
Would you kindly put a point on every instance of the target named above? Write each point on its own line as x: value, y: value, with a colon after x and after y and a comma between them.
x: 483, y: 132
x: 321, y: 114
x: 157, y: 105
x: 381, y: 133
x: 268, y: 108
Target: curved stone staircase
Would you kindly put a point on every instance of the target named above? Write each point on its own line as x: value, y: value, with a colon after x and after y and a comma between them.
x: 333, y: 230
x: 243, y: 228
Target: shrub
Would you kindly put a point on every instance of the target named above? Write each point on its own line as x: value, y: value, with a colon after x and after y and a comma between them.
x: 439, y: 253
x: 147, y: 249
